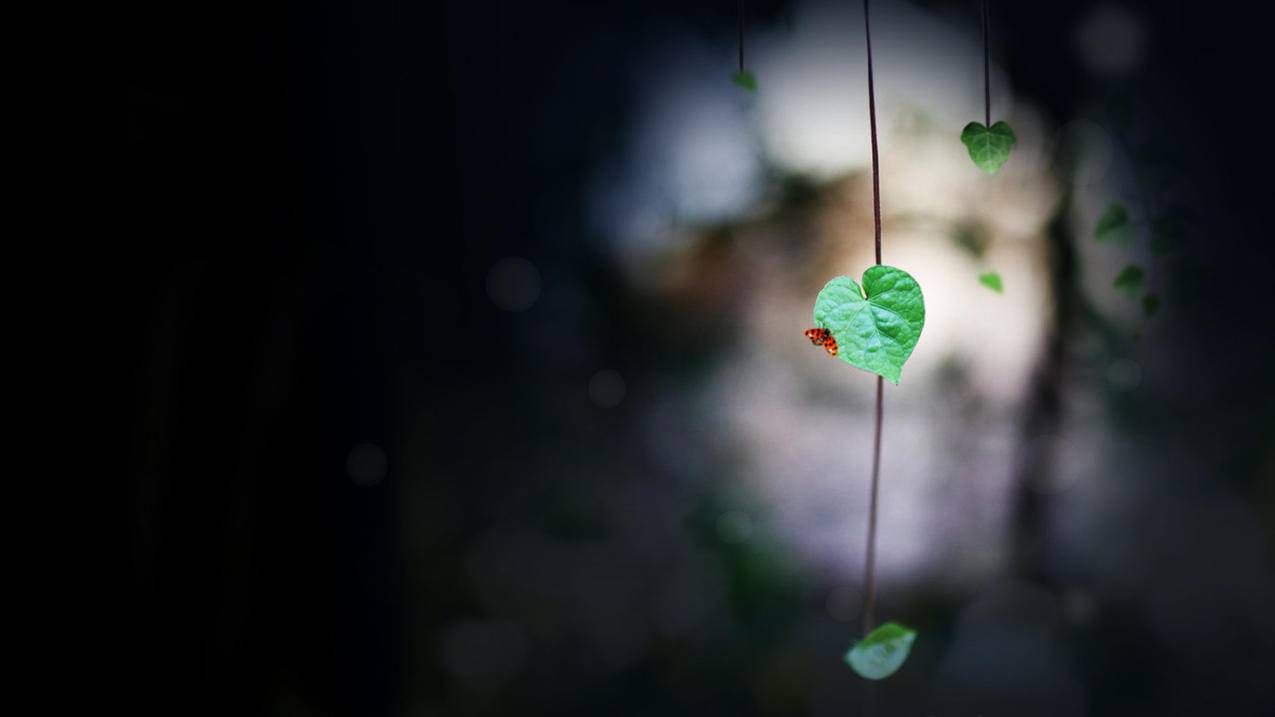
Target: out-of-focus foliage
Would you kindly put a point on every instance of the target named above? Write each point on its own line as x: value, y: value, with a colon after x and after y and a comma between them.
x: 1113, y: 225
x: 882, y: 652
x: 1130, y: 279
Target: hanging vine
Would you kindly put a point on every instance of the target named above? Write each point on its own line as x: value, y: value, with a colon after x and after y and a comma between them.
x: 873, y: 326
x: 988, y: 144
x: 742, y: 77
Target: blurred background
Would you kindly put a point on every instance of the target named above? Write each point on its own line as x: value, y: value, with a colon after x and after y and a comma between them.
x: 461, y: 345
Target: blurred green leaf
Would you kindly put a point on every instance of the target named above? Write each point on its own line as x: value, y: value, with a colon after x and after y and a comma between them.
x: 992, y: 280
x: 876, y: 328
x: 745, y: 79
x: 1130, y: 280
x: 1150, y: 304
x: 882, y: 652
x: 972, y: 238
x: 1113, y: 225
x: 988, y: 146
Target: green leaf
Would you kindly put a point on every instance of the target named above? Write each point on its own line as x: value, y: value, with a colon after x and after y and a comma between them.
x: 1113, y: 225
x: 745, y: 79
x: 1130, y: 280
x: 988, y: 146
x: 992, y: 280
x: 1150, y: 304
x: 875, y: 328
x: 882, y: 652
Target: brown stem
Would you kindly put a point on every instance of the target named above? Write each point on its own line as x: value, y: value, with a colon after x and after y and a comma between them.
x: 869, y: 576
x: 987, y: 71
x: 741, y: 35
x: 872, y: 117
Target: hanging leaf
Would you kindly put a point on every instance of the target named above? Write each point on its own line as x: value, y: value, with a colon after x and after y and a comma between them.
x: 1113, y: 225
x: 882, y: 652
x: 745, y: 79
x: 1150, y: 304
x: 988, y: 146
x: 877, y: 327
x: 1130, y: 280
x: 992, y: 280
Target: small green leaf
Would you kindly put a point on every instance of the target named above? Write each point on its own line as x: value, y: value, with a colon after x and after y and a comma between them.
x: 992, y: 280
x: 988, y: 146
x: 745, y: 79
x: 1113, y: 225
x: 1130, y: 280
x: 1150, y: 304
x: 882, y: 652
x: 875, y: 328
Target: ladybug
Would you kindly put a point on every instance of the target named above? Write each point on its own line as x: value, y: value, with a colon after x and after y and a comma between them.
x: 823, y: 337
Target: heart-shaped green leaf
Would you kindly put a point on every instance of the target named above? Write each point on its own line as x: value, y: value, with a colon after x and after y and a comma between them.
x: 989, y: 146
x: 745, y: 79
x: 992, y: 280
x: 1113, y: 225
x: 877, y: 327
x: 1130, y: 280
x: 882, y: 652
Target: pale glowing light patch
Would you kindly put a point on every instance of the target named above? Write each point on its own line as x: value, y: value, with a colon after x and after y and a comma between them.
x: 995, y: 336
x: 797, y: 423
x: 809, y: 463
x: 808, y: 458
x: 813, y: 112
x: 929, y: 180
x: 692, y: 156
x: 699, y: 148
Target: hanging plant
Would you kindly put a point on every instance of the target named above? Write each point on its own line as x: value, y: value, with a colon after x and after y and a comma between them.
x: 988, y: 144
x: 873, y: 326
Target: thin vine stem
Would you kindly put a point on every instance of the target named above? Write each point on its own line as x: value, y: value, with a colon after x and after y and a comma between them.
x: 872, y: 118
x: 987, y: 71
x: 869, y: 575
x: 741, y: 35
